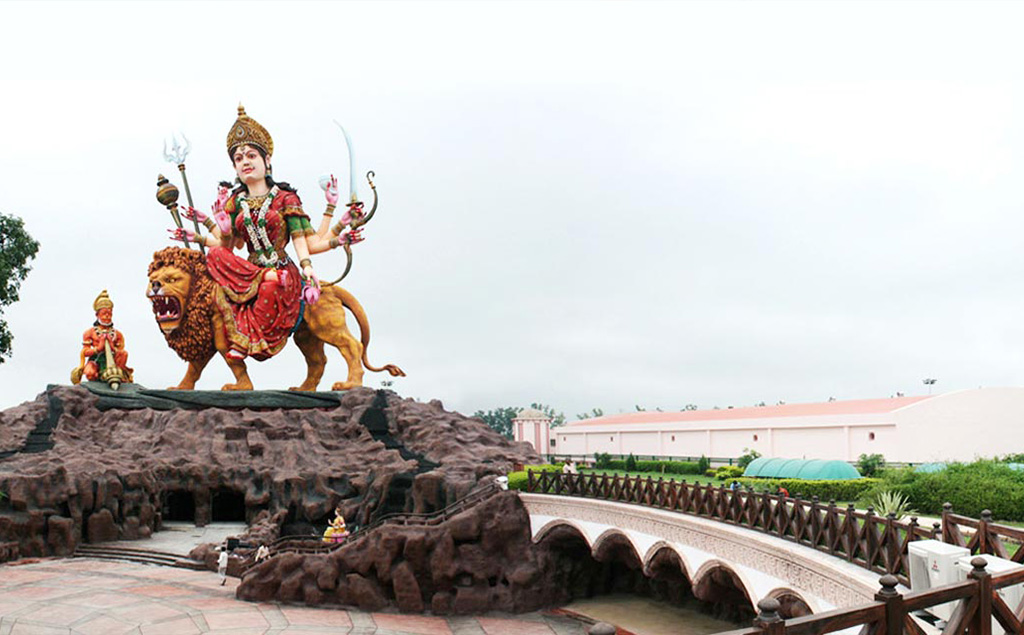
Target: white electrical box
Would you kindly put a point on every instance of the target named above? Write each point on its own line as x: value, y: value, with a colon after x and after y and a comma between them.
x: 933, y: 563
x: 1011, y: 594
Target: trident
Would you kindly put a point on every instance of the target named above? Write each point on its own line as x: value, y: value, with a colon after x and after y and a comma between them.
x: 177, y: 155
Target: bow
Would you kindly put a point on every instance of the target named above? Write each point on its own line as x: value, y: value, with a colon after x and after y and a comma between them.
x: 358, y: 220
x: 355, y: 205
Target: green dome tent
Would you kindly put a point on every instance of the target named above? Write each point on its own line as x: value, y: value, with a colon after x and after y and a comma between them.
x: 807, y: 469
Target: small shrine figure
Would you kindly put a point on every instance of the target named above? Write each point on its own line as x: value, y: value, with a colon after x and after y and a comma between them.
x: 104, y: 357
x: 336, y: 531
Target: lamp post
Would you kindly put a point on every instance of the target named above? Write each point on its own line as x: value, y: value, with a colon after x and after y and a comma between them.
x: 928, y: 381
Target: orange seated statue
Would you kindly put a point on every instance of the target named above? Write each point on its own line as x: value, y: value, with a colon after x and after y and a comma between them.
x: 104, y: 357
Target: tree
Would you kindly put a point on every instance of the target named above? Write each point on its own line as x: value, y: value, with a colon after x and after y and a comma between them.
x: 748, y: 457
x: 499, y: 419
x: 16, y: 249
x: 557, y: 418
x: 870, y: 464
x: 593, y: 414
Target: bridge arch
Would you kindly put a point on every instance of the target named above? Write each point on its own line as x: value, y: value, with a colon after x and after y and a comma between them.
x: 657, y: 548
x: 556, y: 523
x: 792, y: 603
x: 718, y: 582
x: 611, y: 538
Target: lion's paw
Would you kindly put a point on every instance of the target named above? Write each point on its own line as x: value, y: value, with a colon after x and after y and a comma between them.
x: 303, y: 388
x: 345, y: 385
x: 239, y: 386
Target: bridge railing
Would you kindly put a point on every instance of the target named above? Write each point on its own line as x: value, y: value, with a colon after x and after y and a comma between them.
x: 877, y: 543
x: 978, y: 604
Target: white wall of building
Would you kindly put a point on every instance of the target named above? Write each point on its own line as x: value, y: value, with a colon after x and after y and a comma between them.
x: 954, y: 426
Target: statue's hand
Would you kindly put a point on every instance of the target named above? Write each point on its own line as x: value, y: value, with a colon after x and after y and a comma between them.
x: 223, y: 194
x: 223, y: 221
x: 353, y: 236
x: 192, y: 213
x: 184, y: 235
x: 331, y: 192
x: 310, y: 292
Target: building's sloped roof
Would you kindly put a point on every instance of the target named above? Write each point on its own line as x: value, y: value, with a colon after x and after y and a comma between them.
x: 849, y: 407
x: 811, y: 470
x: 530, y: 413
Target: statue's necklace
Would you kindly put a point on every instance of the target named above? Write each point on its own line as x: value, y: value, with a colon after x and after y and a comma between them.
x: 266, y: 255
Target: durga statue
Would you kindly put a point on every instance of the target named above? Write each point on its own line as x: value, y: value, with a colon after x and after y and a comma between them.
x: 251, y: 306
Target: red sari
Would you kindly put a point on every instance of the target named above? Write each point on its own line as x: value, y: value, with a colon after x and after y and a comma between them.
x: 259, y: 314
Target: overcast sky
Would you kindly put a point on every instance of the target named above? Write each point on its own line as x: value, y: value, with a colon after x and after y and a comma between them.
x: 582, y: 204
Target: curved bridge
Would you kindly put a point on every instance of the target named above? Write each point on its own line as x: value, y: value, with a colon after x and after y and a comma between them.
x: 711, y: 555
x: 786, y: 556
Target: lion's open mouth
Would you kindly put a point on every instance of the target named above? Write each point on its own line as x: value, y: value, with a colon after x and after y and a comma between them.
x: 166, y: 308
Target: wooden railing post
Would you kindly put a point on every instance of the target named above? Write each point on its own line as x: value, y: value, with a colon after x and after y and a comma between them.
x: 768, y: 618
x: 982, y: 624
x: 984, y: 544
x: 894, y: 612
x: 531, y: 486
x: 947, y: 533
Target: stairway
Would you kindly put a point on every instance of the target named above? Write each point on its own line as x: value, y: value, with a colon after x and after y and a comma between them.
x: 142, y: 556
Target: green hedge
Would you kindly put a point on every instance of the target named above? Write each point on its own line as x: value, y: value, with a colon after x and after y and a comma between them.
x: 824, y: 490
x: 518, y: 480
x: 970, y: 487
x: 665, y: 467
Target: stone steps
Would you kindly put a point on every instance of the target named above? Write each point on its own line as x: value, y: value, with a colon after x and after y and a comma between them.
x: 142, y: 556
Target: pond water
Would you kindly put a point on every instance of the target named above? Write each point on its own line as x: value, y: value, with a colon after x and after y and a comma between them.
x: 645, y: 616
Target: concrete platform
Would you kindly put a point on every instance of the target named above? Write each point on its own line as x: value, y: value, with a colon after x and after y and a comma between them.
x: 99, y: 597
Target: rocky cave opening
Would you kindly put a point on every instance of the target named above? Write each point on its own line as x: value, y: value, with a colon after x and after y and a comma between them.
x: 178, y: 505
x: 227, y: 505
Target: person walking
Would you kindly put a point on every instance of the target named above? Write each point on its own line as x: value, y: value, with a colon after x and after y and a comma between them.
x: 222, y: 566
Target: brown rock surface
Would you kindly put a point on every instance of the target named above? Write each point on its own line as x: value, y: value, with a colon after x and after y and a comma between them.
x: 418, y: 567
x: 116, y: 473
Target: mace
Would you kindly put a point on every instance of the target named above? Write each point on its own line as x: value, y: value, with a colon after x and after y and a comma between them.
x: 167, y: 194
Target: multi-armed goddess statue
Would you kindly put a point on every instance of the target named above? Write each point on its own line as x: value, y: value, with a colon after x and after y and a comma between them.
x: 220, y: 302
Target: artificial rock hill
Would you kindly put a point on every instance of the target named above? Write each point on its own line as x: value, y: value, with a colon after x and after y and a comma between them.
x: 79, y: 467
x: 82, y: 465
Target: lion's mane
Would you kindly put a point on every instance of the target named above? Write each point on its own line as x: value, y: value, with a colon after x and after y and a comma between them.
x: 193, y: 339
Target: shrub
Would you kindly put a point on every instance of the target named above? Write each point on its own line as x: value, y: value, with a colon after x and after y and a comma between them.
x: 970, y: 487
x: 631, y: 463
x: 888, y: 502
x: 667, y: 467
x: 517, y: 481
x: 703, y: 464
x: 747, y: 458
x: 601, y: 460
x: 728, y: 471
x: 710, y: 472
x: 825, y: 490
x: 870, y: 464
x: 616, y: 464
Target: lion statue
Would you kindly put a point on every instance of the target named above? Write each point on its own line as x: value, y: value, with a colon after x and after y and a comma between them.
x: 183, y: 296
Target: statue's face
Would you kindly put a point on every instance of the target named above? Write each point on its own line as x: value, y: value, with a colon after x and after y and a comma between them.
x: 105, y: 316
x: 250, y: 166
x: 168, y: 293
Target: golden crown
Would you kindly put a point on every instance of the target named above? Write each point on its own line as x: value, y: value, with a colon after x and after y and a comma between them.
x: 248, y: 131
x: 103, y: 301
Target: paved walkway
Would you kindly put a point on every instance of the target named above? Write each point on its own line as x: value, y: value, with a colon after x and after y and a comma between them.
x: 100, y: 597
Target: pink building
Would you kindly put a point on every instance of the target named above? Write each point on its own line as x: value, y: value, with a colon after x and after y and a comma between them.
x: 534, y: 427
x: 959, y: 425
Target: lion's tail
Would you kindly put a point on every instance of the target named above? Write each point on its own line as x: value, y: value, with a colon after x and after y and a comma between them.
x: 353, y: 305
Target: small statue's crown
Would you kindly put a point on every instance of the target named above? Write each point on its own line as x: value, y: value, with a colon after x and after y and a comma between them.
x: 103, y: 301
x: 248, y: 131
